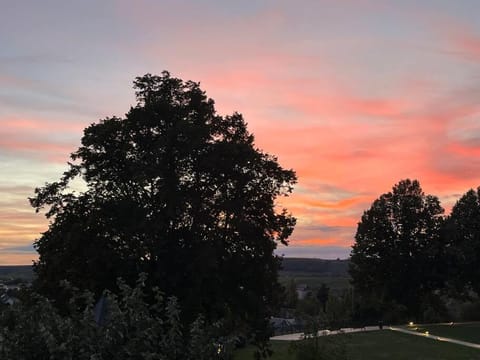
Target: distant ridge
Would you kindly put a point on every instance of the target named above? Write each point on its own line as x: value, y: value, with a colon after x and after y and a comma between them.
x: 322, y: 267
x: 24, y: 272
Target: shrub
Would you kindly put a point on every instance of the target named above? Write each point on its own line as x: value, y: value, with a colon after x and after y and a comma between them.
x: 133, y: 329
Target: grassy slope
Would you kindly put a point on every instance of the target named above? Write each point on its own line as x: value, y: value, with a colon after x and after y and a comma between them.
x: 466, y: 332
x: 383, y: 345
x: 280, y: 348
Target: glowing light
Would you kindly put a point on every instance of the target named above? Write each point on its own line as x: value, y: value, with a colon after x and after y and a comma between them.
x: 410, y: 323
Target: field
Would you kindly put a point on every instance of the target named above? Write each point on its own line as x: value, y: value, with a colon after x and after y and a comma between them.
x: 466, y: 331
x: 314, y: 272
x: 336, y: 284
x: 381, y: 345
x: 316, y: 266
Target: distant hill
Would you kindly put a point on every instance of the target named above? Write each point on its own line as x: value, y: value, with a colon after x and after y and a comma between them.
x: 9, y: 272
x: 315, y: 272
x: 319, y: 267
x: 291, y: 267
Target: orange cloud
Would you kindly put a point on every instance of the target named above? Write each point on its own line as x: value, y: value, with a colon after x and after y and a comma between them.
x: 19, y: 224
x: 311, y: 201
x: 316, y: 241
x: 17, y: 258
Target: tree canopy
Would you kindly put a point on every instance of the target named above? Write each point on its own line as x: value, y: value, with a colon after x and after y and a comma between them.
x: 397, y: 245
x: 462, y: 244
x: 173, y: 190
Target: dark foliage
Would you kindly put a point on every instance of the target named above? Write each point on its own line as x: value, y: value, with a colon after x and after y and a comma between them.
x: 395, y: 258
x: 33, y: 329
x: 316, y: 266
x: 322, y: 296
x: 462, y: 245
x: 178, y: 192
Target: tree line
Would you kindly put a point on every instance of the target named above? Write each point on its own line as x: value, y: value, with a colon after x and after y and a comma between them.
x: 409, y: 257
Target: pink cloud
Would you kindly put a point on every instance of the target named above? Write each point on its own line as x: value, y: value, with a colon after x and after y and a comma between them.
x: 39, y: 149
x: 465, y: 41
x: 301, y: 107
x: 39, y: 138
x: 36, y: 126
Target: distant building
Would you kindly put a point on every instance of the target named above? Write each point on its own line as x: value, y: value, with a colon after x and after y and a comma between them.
x: 7, y: 299
x: 302, y: 291
x: 7, y: 291
x: 283, y: 325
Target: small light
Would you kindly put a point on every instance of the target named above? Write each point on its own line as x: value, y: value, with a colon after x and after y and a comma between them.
x: 410, y: 323
x: 426, y: 333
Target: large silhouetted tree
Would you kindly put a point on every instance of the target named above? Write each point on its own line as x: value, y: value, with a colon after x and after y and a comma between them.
x: 462, y: 244
x: 397, y: 246
x: 174, y: 190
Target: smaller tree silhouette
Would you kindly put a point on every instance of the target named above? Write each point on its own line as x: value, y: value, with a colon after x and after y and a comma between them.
x: 397, y: 245
x: 462, y: 244
x: 322, y: 296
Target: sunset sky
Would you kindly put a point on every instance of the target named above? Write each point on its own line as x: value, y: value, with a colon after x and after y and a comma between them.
x: 352, y: 94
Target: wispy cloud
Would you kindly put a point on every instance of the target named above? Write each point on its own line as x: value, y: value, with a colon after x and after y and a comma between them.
x: 353, y: 95
x: 463, y: 41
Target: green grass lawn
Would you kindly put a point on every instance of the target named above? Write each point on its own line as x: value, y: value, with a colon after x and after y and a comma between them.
x: 280, y: 348
x: 466, y: 332
x: 382, y: 345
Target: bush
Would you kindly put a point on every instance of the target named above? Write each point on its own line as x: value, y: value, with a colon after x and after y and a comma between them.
x: 470, y: 311
x: 133, y: 329
x: 395, y: 313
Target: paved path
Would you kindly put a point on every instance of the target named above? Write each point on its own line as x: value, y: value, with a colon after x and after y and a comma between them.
x: 435, y: 337
x: 300, y: 336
